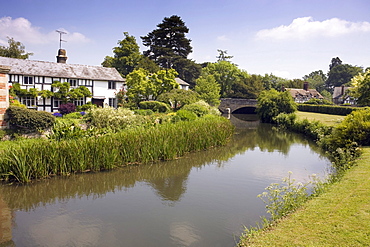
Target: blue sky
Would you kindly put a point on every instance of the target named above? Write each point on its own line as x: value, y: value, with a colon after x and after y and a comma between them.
x: 289, y: 38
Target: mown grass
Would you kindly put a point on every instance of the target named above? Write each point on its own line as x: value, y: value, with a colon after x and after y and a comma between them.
x: 327, y: 119
x: 339, y: 217
x: 34, y: 159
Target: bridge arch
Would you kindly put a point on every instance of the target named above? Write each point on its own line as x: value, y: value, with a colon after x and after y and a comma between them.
x: 232, y: 105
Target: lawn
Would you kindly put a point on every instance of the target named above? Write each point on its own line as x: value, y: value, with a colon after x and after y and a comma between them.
x: 324, y: 118
x: 339, y: 217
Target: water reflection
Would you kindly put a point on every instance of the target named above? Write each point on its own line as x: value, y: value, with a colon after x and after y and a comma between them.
x: 192, y: 201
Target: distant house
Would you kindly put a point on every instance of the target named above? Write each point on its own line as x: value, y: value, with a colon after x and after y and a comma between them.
x: 183, y: 84
x: 305, y: 94
x: 341, y: 96
x: 102, y: 82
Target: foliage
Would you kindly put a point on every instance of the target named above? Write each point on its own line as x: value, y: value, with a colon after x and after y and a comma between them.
x: 88, y: 106
x: 361, y: 88
x: 222, y: 56
x: 16, y: 91
x: 283, y: 199
x: 225, y: 73
x: 168, y: 42
x: 155, y: 106
x: 144, y: 112
x: 66, y: 130
x: 144, y: 86
x: 208, y: 90
x: 112, y: 119
x: 247, y: 87
x: 15, y: 49
x: 64, y: 92
x: 126, y: 55
x: 272, y: 103
x: 74, y: 115
x: 199, y: 108
x: 121, y: 97
x: 185, y: 115
x: 177, y: 98
x: 316, y: 79
x: 327, y: 109
x: 340, y: 75
x: 187, y: 69
x: 28, y: 120
x: 314, y: 101
x: 271, y: 81
x: 66, y: 108
x: 38, y: 158
x: 15, y: 102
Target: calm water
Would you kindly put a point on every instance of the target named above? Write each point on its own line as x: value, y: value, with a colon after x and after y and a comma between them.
x: 203, y: 199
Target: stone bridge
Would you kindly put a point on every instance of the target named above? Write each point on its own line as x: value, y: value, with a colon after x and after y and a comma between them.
x: 237, y: 105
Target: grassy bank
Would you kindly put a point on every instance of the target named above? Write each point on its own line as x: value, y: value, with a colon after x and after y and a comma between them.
x: 339, y: 217
x: 33, y: 159
x: 326, y: 119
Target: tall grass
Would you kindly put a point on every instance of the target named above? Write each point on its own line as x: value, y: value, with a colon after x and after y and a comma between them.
x: 34, y: 159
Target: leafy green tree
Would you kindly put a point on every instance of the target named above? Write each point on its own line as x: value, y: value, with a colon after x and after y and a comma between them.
x: 225, y: 73
x: 148, y: 65
x: 15, y: 49
x: 188, y: 70
x: 177, y: 98
x: 271, y: 81
x: 142, y: 85
x: 208, y: 90
x: 247, y: 87
x: 271, y: 103
x: 63, y: 91
x: 316, y: 80
x: 126, y: 55
x: 335, y: 61
x: 168, y: 43
x: 361, y: 88
x: 340, y: 74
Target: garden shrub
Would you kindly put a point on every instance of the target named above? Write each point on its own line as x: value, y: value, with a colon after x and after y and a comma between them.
x: 85, y: 107
x: 67, y: 108
x: 114, y: 119
x: 198, y: 108
x: 315, y: 101
x: 73, y: 115
x: 185, y: 115
x: 155, y: 106
x: 144, y: 112
x: 28, y: 120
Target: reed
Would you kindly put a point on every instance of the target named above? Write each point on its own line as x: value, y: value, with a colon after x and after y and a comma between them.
x: 36, y: 159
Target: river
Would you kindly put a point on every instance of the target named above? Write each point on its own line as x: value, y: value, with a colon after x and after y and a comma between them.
x: 202, y: 199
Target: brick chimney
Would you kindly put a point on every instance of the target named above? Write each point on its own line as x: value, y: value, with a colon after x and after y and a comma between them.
x: 62, y: 56
x: 305, y: 86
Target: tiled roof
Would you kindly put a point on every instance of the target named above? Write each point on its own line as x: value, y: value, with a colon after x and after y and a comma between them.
x: 61, y: 70
x: 301, y: 92
x: 181, y: 82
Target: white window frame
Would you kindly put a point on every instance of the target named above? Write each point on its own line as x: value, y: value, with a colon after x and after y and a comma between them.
x: 73, y: 82
x: 30, y: 102
x: 112, y: 85
x: 112, y: 102
x: 79, y: 102
x: 57, y: 102
x: 28, y: 80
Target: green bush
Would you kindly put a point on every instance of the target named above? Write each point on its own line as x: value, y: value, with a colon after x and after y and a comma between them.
x: 155, y: 106
x: 28, y: 120
x: 198, y: 108
x: 185, y: 115
x: 327, y: 109
x: 85, y: 107
x: 113, y: 119
x: 144, y: 112
x: 315, y: 101
x: 73, y: 115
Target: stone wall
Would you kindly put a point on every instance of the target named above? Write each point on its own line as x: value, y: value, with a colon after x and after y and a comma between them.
x: 4, y: 94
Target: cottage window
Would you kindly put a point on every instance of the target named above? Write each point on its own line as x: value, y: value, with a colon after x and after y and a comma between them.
x: 113, y: 102
x: 57, y: 103
x: 111, y: 85
x: 28, y: 101
x: 28, y: 80
x: 73, y: 82
x: 78, y: 102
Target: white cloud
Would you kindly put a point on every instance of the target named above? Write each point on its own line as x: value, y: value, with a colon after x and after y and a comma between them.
x: 306, y: 27
x: 22, y: 30
x: 223, y: 38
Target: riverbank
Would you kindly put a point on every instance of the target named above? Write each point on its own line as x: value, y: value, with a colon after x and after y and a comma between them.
x: 339, y: 217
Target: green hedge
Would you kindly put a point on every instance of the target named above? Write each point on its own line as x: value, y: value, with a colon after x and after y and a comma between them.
x: 327, y: 109
x: 155, y: 106
x: 28, y: 120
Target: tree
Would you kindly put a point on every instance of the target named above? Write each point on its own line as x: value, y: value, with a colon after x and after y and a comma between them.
x: 316, y: 79
x: 188, y: 70
x: 178, y: 98
x: 64, y: 92
x: 168, y: 43
x: 247, y: 87
x: 271, y: 81
x: 208, y: 90
x: 225, y: 73
x: 141, y: 85
x: 222, y: 56
x: 15, y: 49
x: 271, y: 103
x: 361, y: 88
x: 340, y: 74
x: 126, y: 55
